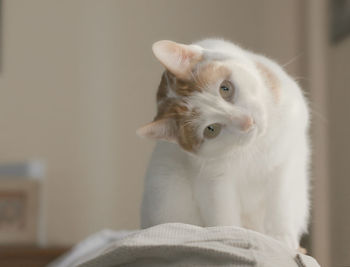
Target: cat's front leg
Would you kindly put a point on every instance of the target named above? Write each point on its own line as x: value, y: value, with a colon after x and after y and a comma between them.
x: 217, y: 200
x: 287, y: 205
x: 279, y: 220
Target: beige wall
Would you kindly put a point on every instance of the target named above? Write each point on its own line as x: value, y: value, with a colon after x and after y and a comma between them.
x: 78, y: 78
x: 339, y: 129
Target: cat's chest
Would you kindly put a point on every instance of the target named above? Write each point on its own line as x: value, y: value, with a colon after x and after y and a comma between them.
x: 247, y: 180
x: 243, y: 170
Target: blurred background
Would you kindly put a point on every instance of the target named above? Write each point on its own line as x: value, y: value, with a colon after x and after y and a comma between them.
x: 77, y: 78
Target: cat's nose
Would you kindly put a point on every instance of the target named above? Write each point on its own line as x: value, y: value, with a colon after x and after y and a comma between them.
x: 243, y: 122
x: 247, y: 123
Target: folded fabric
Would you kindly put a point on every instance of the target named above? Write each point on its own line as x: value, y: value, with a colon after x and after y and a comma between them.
x: 89, y: 248
x: 176, y: 244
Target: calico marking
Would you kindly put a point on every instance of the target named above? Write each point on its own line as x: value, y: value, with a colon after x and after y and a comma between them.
x: 270, y: 79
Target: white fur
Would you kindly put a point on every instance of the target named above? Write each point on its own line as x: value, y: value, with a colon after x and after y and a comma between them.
x: 256, y: 179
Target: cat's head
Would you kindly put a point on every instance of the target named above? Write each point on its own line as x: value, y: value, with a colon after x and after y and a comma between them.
x: 208, y: 102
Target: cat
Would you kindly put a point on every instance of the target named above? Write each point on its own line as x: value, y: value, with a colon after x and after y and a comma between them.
x: 232, y: 142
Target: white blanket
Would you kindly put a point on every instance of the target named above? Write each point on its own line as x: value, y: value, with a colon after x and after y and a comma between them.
x: 176, y: 244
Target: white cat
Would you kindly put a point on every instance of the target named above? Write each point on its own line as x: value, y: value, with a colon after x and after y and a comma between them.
x: 233, y: 144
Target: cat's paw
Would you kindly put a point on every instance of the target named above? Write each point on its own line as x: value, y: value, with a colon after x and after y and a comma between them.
x: 302, y: 250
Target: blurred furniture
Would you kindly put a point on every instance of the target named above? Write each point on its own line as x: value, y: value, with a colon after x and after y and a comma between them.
x: 19, y: 210
x: 29, y: 256
x: 20, y: 203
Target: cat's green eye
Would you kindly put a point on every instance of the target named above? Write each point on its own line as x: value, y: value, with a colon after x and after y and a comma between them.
x: 227, y: 90
x: 212, y: 130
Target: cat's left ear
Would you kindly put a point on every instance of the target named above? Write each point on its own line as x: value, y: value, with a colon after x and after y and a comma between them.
x: 179, y: 59
x: 161, y: 129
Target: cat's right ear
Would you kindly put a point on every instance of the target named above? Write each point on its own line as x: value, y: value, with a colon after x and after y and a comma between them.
x: 179, y: 59
x: 161, y: 129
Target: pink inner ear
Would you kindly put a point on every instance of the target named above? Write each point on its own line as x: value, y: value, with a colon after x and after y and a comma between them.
x: 179, y: 59
x: 160, y: 129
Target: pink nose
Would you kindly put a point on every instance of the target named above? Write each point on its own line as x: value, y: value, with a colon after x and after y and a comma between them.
x: 247, y: 123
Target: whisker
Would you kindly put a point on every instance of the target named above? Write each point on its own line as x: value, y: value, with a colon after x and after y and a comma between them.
x: 318, y: 114
x: 299, y: 78
x: 291, y: 60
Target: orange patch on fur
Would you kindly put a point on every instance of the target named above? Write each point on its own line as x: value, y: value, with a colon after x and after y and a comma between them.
x: 188, y: 137
x: 163, y: 87
x: 175, y: 107
x: 210, y: 74
x: 203, y: 76
x: 178, y: 86
x: 270, y: 79
x: 185, y: 130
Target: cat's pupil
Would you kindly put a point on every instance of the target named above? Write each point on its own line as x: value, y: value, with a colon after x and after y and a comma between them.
x: 212, y: 130
x: 227, y: 90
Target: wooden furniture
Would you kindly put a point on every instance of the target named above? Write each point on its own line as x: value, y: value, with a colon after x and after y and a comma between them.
x: 19, y: 211
x: 29, y: 256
